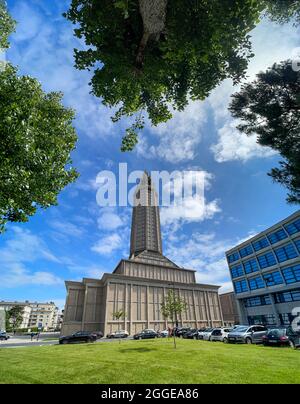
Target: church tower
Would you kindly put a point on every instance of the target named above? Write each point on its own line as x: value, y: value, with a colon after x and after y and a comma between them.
x: 145, y: 228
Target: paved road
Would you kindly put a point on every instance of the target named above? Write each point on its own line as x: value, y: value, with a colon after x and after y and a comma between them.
x: 22, y: 342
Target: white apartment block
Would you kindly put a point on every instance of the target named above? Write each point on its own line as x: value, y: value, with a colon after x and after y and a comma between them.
x: 41, y: 315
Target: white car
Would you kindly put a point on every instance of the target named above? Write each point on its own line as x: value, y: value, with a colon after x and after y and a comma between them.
x: 207, y: 334
x: 164, y: 333
x: 220, y: 334
x: 118, y: 334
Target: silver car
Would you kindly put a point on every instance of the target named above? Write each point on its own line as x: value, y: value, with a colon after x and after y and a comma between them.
x: 247, y: 334
x: 220, y: 334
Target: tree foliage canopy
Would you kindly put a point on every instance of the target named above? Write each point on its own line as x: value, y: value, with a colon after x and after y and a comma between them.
x: 7, y: 25
x: 270, y: 108
x: 283, y: 10
x: 202, y: 43
x: 36, y: 139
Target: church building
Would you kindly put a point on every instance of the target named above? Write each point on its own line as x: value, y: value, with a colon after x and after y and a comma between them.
x: 139, y: 284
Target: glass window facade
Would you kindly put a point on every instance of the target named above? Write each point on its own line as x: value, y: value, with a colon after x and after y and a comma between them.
x: 266, y: 260
x: 293, y: 228
x: 258, y: 301
x: 241, y: 286
x: 251, y: 266
x: 291, y: 274
x: 237, y: 271
x: 268, y: 319
x: 256, y: 283
x: 244, y: 252
x: 286, y: 252
x: 297, y: 242
x: 273, y: 278
x: 286, y: 297
x: 277, y: 236
x: 260, y: 244
x: 233, y: 257
x: 286, y: 318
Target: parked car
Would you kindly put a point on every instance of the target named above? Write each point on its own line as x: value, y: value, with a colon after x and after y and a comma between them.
x: 247, y: 335
x: 3, y: 336
x: 163, y: 334
x: 220, y: 334
x: 118, y: 334
x: 192, y: 334
x: 99, y: 334
x: 180, y: 331
x: 276, y: 336
x: 202, y: 332
x: 146, y: 334
x: 294, y: 337
x: 78, y: 337
x: 207, y: 334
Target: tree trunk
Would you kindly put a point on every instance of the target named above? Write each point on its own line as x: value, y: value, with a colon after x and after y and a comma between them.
x: 154, y: 13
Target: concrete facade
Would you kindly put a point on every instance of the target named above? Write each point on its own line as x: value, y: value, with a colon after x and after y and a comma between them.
x: 265, y: 272
x: 229, y: 309
x: 139, y: 285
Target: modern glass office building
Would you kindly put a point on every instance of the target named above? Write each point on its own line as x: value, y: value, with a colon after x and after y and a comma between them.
x: 265, y: 272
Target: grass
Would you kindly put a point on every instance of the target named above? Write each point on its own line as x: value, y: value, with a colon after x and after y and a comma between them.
x: 150, y: 362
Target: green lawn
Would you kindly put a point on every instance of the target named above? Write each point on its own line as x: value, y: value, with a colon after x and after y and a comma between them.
x: 153, y: 361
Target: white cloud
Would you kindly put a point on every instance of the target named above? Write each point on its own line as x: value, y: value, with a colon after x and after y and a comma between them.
x: 204, y: 253
x: 44, y: 47
x: 192, y: 207
x: 107, y: 244
x: 234, y: 145
x: 24, y: 247
x: 110, y: 220
x: 272, y: 43
x: 66, y: 228
x: 178, y: 138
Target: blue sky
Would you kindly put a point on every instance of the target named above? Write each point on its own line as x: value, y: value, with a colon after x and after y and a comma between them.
x: 78, y: 238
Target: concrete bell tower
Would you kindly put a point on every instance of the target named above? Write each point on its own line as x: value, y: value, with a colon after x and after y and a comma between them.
x: 145, y: 228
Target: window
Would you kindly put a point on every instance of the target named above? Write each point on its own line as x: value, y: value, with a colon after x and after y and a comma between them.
x: 257, y: 301
x: 286, y: 252
x: 293, y: 227
x: 286, y: 297
x: 286, y: 318
x: 237, y: 271
x: 260, y: 244
x: 241, y: 286
x: 277, y: 236
x: 256, y: 283
x: 251, y: 266
x: 297, y: 242
x: 291, y: 274
x: 273, y: 278
x: 246, y: 251
x: 266, y: 320
x: 266, y: 260
x: 233, y: 257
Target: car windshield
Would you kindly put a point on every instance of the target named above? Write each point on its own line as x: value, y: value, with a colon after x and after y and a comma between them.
x: 277, y: 332
x: 241, y: 329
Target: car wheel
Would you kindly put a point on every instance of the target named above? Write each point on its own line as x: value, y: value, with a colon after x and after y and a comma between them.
x: 249, y: 341
x: 64, y: 342
x: 225, y: 340
x: 293, y: 345
x: 209, y: 339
